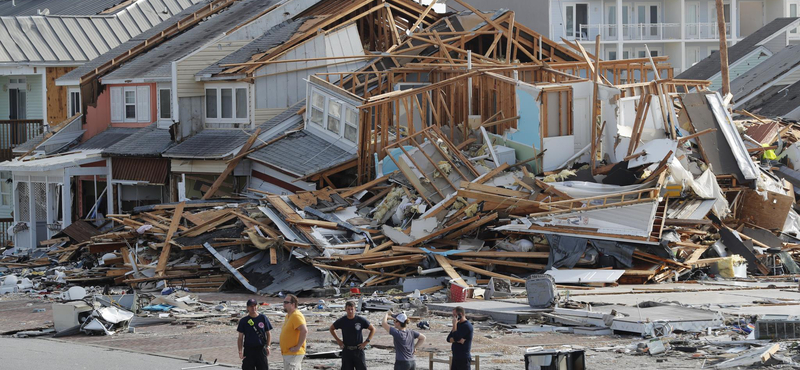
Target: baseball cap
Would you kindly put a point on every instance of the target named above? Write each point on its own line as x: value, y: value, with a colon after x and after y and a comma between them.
x: 252, y: 302
x: 401, y: 317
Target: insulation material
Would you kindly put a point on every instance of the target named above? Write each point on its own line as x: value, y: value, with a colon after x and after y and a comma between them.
x: 705, y: 186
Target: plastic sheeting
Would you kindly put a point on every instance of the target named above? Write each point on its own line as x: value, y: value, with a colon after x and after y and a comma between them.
x: 705, y: 186
x: 565, y: 251
x: 621, y: 252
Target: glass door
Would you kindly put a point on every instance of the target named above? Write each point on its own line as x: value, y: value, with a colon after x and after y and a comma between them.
x: 692, y: 26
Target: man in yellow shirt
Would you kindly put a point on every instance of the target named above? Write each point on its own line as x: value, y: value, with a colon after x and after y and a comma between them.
x: 293, y: 335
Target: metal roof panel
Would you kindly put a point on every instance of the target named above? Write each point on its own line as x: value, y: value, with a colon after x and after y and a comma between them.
x: 31, y: 30
x: 8, y: 43
x: 60, y: 29
x: 80, y: 37
x: 94, y: 35
x: 130, y: 25
x: 108, y: 36
x: 52, y: 40
x: 122, y: 33
x: 138, y: 16
x: 149, y: 12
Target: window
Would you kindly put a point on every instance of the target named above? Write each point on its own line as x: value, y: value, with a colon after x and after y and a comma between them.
x: 73, y: 101
x: 130, y: 104
x: 351, y: 126
x: 793, y: 13
x: 334, y: 116
x: 577, y: 17
x: 241, y: 103
x: 211, y: 103
x: 227, y: 104
x: 317, y: 107
x: 6, y: 193
x: 164, y: 104
x: 612, y: 55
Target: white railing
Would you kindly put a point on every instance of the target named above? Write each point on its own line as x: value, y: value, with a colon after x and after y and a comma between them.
x: 704, y: 31
x: 639, y: 31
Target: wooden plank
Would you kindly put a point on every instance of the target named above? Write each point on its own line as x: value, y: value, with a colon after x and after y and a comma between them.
x: 173, y: 227
x: 219, y: 220
x: 481, y: 271
x: 448, y: 268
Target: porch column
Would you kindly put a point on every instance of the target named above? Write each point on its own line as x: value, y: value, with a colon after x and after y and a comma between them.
x: 66, y: 201
x: 109, y: 189
x: 734, y: 24
x: 620, y: 31
x: 45, y: 120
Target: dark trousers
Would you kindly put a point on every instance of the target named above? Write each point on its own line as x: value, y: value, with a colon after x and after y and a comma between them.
x: 405, y: 365
x: 353, y: 359
x: 460, y: 364
x: 255, y: 358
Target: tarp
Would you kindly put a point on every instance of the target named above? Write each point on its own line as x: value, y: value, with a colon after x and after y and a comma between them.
x: 621, y: 252
x: 565, y: 251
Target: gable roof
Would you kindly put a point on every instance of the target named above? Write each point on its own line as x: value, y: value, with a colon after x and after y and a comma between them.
x: 710, y: 66
x: 777, y: 101
x: 156, y: 63
x: 766, y: 72
x: 76, y: 39
x: 73, y: 77
x: 275, y: 36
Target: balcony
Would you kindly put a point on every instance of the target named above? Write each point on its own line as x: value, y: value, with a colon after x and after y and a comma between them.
x: 15, y: 132
x: 639, y: 32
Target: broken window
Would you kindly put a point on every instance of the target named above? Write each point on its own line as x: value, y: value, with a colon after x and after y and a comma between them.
x: 317, y: 107
x: 351, y: 126
x: 334, y: 116
x: 557, y: 112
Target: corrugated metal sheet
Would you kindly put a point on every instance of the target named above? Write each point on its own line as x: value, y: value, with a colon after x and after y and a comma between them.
x: 56, y: 7
x: 152, y: 170
x: 70, y: 39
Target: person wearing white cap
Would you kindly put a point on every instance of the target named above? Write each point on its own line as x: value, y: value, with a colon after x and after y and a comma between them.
x: 404, y: 346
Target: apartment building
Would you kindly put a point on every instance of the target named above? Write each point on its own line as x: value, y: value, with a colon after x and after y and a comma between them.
x: 685, y: 30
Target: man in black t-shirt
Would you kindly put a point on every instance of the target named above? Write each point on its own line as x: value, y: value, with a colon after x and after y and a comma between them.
x: 254, y: 338
x: 461, y: 338
x: 352, y: 342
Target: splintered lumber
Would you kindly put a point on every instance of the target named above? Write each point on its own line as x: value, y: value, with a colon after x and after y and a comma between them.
x: 491, y: 174
x: 398, y: 261
x: 481, y: 271
x: 353, y: 191
x: 446, y: 230
x: 173, y: 227
x: 231, y: 165
x: 448, y: 268
x: 214, y: 222
x: 499, y: 262
x: 340, y: 268
x: 54, y: 241
x: 317, y: 223
x: 493, y: 190
x: 473, y: 226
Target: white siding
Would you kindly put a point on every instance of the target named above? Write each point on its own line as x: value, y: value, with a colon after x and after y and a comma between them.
x: 282, y: 84
x: 187, y: 68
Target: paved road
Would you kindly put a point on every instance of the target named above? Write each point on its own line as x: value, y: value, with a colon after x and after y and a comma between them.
x: 27, y: 353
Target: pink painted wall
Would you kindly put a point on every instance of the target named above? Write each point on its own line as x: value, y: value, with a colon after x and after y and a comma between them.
x: 99, y: 119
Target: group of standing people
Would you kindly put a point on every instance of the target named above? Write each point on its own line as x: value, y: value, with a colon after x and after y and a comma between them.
x: 255, y: 339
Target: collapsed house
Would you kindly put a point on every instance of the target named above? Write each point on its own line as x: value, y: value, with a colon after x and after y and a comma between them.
x: 467, y: 147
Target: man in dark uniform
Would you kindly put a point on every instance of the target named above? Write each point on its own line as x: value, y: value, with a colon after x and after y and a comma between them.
x: 254, y: 338
x: 461, y: 338
x: 352, y: 342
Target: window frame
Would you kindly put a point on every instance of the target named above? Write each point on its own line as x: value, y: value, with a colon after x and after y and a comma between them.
x: 347, y: 124
x: 71, y: 101
x: 345, y: 108
x: 236, y: 89
x: 125, y: 104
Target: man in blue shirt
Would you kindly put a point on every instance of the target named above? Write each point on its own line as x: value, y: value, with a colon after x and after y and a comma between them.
x: 254, y: 338
x: 461, y: 338
x: 352, y: 342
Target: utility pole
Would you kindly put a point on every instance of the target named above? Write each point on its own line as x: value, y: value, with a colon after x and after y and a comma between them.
x: 723, y: 49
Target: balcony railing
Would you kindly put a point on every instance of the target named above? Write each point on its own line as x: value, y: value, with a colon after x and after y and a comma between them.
x: 704, y: 31
x: 15, y: 132
x: 640, y: 31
